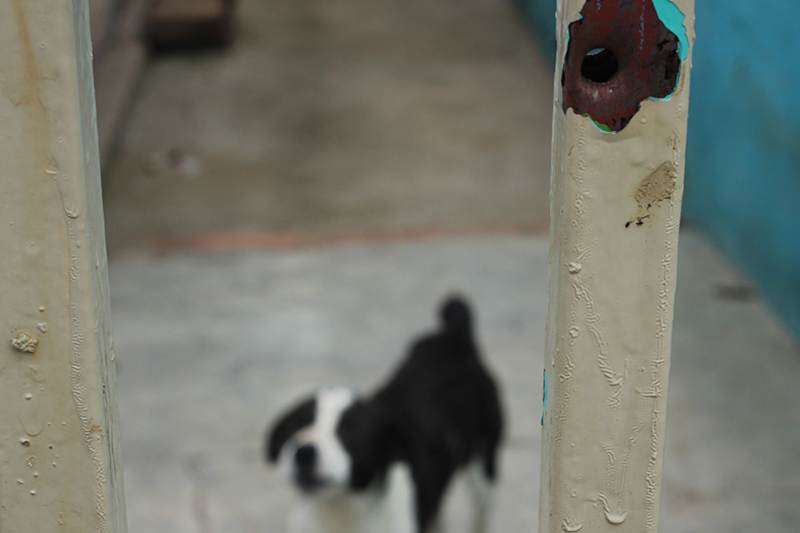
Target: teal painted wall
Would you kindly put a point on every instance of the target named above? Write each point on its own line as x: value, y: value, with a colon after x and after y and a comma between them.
x: 743, y: 154
x: 541, y: 14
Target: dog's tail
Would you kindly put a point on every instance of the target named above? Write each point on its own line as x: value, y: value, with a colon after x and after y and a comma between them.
x: 456, y: 316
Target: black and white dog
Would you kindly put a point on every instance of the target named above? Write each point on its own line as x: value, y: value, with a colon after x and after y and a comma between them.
x: 383, y: 463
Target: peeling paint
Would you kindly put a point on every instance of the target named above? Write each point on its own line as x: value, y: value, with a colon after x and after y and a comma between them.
x: 25, y: 342
x: 674, y: 19
x: 619, y: 54
x: 657, y: 187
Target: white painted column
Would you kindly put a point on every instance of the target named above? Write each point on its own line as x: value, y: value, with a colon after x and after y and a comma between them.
x: 615, y: 212
x: 59, y: 448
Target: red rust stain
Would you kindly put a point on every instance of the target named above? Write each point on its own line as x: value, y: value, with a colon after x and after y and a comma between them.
x: 644, y: 60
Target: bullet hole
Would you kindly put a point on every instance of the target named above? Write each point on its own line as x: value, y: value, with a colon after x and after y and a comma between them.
x: 620, y: 53
x: 599, y: 65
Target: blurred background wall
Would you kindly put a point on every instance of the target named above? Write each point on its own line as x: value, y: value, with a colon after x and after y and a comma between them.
x: 743, y: 158
x: 100, y: 20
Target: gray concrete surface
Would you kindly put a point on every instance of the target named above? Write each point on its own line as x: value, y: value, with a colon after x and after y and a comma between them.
x: 332, y: 116
x: 211, y: 346
x: 359, y: 121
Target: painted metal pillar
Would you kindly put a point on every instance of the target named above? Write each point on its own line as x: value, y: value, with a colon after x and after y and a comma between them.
x: 59, y: 449
x: 621, y: 101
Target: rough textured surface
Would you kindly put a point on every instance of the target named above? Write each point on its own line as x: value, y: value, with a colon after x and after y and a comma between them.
x: 58, y: 462
x: 638, y: 58
x: 609, y: 323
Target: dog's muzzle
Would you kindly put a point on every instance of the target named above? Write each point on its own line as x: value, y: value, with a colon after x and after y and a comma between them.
x: 305, y: 469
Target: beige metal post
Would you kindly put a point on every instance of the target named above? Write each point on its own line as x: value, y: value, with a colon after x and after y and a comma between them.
x: 615, y: 211
x: 59, y: 450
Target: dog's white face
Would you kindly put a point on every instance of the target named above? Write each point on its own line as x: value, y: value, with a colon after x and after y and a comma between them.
x: 312, y: 454
x: 333, y: 441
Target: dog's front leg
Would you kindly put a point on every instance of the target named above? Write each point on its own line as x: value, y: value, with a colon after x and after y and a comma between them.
x: 431, y: 479
x: 436, y: 526
x: 481, y: 490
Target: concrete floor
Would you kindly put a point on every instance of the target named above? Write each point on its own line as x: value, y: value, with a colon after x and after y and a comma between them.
x: 340, y: 117
x: 212, y: 345
x: 333, y: 174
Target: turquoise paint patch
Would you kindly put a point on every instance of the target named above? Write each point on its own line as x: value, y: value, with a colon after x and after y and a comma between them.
x: 544, y: 401
x: 673, y: 18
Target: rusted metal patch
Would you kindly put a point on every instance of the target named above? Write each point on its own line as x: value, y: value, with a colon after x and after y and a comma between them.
x: 620, y: 53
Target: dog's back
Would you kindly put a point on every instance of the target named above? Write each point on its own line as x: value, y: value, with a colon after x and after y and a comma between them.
x: 448, y: 404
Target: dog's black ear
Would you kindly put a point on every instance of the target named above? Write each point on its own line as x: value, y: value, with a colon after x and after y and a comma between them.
x: 291, y: 422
